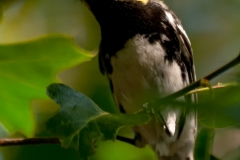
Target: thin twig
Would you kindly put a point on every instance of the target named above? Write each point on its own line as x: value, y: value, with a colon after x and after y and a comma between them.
x: 28, y: 141
x: 197, y: 84
x: 36, y: 141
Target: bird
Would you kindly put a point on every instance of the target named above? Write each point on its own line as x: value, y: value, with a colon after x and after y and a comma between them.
x: 146, y: 55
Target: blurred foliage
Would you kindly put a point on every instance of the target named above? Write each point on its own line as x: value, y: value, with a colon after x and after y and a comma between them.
x: 80, y: 117
x: 222, y: 110
x: 26, y: 69
x: 213, y: 27
x: 203, y: 144
x: 233, y: 155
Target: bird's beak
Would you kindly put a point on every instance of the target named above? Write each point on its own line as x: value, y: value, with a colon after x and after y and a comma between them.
x: 144, y: 1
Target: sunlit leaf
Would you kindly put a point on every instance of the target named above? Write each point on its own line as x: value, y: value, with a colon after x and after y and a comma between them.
x: 25, y: 71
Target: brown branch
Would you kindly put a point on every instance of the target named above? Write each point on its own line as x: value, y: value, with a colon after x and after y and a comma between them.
x: 28, y: 141
x: 36, y: 141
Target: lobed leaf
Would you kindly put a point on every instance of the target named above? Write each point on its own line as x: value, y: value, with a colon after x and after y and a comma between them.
x: 81, y: 118
x: 25, y: 71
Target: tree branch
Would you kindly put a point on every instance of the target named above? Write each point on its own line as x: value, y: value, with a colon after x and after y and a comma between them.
x: 36, y: 141
x: 28, y: 141
x: 197, y: 84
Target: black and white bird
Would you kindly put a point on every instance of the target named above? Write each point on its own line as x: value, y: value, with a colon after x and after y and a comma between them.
x: 146, y: 55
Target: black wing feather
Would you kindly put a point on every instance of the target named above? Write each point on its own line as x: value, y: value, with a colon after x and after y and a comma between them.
x: 187, y: 59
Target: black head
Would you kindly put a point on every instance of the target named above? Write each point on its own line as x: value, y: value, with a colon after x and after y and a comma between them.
x: 121, y: 20
x: 127, y: 15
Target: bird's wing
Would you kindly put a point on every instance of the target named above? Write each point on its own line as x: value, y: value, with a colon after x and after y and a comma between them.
x: 181, y: 51
x: 183, y: 48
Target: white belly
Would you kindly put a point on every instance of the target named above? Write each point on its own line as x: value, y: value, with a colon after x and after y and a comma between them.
x: 141, y: 74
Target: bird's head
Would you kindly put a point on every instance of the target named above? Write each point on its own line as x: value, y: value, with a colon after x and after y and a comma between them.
x: 112, y: 9
x: 126, y: 15
x: 93, y: 5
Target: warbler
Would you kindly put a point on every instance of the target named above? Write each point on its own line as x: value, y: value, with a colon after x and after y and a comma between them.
x: 146, y: 55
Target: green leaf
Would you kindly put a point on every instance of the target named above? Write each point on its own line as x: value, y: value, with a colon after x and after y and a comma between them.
x: 203, y: 146
x: 105, y: 128
x: 223, y: 110
x: 216, y: 108
x: 79, y: 116
x: 75, y: 112
x: 25, y: 71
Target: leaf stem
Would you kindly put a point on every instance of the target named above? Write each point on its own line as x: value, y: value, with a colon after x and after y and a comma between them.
x: 218, y: 86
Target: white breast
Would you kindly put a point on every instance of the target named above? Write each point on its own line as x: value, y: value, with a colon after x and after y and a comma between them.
x: 141, y: 74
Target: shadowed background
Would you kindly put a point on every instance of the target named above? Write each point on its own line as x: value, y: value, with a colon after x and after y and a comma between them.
x: 212, y: 26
